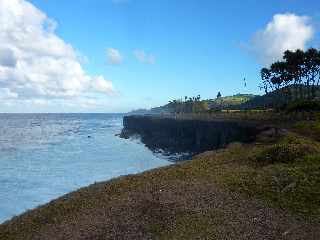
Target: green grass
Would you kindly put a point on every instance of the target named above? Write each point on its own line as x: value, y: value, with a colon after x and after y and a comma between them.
x: 295, y: 187
x: 291, y: 183
x: 286, y: 174
x: 309, y: 127
x: 228, y: 101
x: 187, y: 226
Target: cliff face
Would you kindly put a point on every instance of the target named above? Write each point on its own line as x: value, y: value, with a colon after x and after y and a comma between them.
x: 193, y: 136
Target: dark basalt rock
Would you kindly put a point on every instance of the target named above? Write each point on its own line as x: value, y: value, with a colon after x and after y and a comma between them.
x: 193, y: 136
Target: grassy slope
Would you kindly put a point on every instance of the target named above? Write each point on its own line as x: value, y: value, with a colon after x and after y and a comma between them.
x: 235, y: 193
x: 229, y: 102
x: 218, y: 103
x: 245, y: 101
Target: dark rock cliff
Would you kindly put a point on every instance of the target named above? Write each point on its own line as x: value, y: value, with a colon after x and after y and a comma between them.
x: 193, y: 136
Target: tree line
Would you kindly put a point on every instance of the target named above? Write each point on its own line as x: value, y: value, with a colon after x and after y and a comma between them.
x: 188, y: 105
x: 298, y: 74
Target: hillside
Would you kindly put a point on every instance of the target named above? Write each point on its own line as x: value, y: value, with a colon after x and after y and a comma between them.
x: 277, y: 98
x: 218, y: 103
x: 230, y: 101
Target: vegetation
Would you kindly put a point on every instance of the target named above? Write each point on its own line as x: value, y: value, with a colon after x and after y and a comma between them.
x: 286, y: 173
x: 229, y: 102
x: 196, y: 105
x: 188, y: 105
x: 311, y: 128
x: 276, y: 99
x: 299, y: 69
x: 303, y: 105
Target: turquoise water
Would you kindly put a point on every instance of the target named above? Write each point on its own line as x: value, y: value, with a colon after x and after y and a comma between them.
x: 44, y: 156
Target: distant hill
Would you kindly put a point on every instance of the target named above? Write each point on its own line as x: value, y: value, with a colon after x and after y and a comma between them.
x: 139, y: 112
x: 239, y: 101
x: 274, y: 99
x: 218, y: 103
x: 165, y: 109
x: 229, y: 101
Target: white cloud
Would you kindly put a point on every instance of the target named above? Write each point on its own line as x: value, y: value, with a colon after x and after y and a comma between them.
x: 114, y: 56
x: 7, y: 58
x: 144, y: 57
x: 35, y: 63
x: 100, y: 85
x: 6, y: 93
x: 285, y: 32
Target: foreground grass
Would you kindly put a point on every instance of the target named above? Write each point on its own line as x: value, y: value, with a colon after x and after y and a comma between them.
x: 311, y: 128
x: 267, y: 189
x: 285, y: 173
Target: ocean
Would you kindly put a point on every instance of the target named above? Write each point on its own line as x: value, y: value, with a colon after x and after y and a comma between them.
x: 43, y: 156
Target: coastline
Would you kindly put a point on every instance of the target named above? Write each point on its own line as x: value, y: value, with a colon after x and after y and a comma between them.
x: 175, y: 135
x: 227, y: 193
x: 48, y: 155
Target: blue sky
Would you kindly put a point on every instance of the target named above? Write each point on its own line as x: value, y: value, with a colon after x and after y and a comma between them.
x: 166, y: 49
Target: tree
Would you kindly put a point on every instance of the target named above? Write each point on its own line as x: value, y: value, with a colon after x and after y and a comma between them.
x: 312, y: 70
x: 295, y: 62
x: 265, y: 77
x: 219, y: 95
x: 299, y: 73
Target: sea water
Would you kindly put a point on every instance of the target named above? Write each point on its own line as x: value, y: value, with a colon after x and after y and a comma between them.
x: 43, y: 156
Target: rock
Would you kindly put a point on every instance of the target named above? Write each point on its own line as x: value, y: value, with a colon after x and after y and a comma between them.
x: 181, y: 136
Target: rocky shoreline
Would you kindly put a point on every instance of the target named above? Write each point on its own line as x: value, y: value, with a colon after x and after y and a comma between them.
x: 188, y: 136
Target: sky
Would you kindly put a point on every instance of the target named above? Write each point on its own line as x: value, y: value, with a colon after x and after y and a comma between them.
x: 120, y: 55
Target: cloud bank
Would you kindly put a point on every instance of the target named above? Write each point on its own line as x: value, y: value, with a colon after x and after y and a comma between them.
x: 285, y: 32
x: 35, y: 63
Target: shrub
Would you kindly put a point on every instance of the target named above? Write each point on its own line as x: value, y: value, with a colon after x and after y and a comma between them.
x: 284, y: 153
x: 304, y: 105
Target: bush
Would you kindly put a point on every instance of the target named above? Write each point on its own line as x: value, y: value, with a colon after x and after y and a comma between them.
x: 284, y: 153
x: 304, y: 105
x: 213, y: 110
